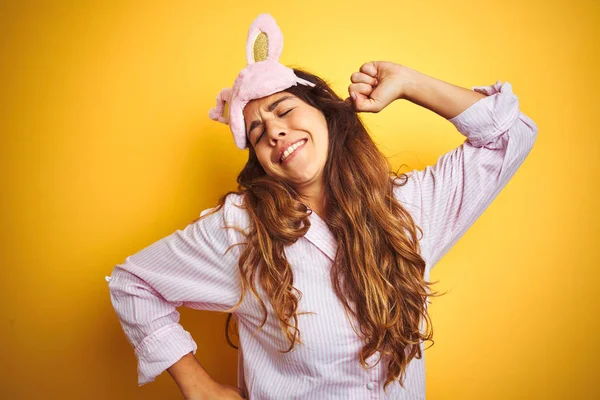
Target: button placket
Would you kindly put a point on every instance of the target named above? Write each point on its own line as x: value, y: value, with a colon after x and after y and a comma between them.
x: 375, y: 374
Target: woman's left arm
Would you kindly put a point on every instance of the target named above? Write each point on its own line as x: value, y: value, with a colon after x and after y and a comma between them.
x: 451, y: 194
x: 379, y: 83
x: 455, y: 191
x: 443, y: 98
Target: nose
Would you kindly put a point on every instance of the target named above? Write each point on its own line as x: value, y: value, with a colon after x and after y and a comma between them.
x: 275, y: 131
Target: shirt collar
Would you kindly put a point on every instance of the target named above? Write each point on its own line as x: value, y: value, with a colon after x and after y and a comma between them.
x: 320, y: 235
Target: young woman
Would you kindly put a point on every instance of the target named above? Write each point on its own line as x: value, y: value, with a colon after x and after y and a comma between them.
x: 335, y: 249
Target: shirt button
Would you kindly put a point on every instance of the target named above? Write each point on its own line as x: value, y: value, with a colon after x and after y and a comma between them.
x: 370, y: 386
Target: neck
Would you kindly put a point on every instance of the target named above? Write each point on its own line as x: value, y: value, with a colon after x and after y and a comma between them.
x: 314, y: 198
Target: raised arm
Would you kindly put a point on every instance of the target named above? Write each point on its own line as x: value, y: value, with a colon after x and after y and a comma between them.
x: 379, y: 83
x: 450, y: 195
x: 443, y: 98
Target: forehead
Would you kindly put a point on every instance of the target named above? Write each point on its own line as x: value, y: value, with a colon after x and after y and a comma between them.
x: 264, y: 102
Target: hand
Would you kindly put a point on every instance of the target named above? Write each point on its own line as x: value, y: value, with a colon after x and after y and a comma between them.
x: 377, y: 84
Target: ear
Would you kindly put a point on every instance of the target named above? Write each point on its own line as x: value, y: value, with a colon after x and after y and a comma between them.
x: 265, y: 40
x: 221, y: 111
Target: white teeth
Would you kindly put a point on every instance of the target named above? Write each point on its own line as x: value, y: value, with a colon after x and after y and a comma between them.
x: 291, y: 149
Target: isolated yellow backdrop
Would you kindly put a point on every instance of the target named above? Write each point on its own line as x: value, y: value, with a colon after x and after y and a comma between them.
x: 107, y: 147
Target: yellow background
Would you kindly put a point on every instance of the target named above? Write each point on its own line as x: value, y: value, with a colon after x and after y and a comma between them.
x: 107, y: 147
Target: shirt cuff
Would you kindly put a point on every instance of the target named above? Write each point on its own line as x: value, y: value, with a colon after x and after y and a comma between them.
x: 159, y: 351
x: 490, y: 116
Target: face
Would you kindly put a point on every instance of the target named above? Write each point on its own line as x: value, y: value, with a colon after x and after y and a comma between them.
x: 290, y: 138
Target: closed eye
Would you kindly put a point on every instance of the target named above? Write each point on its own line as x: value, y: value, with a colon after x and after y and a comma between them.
x: 263, y: 132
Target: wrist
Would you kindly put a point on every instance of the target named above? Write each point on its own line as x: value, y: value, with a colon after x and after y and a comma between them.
x: 204, y: 392
x: 193, y: 381
x: 409, y: 79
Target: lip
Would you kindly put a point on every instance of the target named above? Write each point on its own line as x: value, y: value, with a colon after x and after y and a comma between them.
x: 285, y: 147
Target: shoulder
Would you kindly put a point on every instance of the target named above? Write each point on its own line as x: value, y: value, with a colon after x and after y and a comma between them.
x: 405, y: 187
x: 235, y: 207
x: 226, y: 226
x: 233, y: 212
x: 236, y: 200
x: 408, y: 193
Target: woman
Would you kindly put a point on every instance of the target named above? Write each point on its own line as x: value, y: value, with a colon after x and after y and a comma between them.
x: 324, y: 237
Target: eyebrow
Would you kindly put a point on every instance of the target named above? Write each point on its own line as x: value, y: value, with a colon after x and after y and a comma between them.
x: 256, y: 123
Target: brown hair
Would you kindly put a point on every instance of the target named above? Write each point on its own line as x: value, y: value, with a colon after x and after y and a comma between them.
x: 378, y: 261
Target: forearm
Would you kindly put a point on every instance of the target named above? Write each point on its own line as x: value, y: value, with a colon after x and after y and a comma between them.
x: 193, y: 381
x: 444, y: 99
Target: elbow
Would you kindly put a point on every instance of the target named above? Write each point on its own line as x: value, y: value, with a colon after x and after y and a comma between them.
x: 530, y: 129
x: 522, y: 137
x: 121, y: 289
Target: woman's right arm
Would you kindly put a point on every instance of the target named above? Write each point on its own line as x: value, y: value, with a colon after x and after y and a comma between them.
x: 193, y: 381
x: 190, y: 267
x: 196, y: 384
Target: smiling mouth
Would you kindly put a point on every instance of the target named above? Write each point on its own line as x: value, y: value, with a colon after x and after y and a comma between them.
x: 291, y: 150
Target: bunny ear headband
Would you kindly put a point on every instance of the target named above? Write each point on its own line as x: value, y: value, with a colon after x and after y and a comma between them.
x: 263, y: 76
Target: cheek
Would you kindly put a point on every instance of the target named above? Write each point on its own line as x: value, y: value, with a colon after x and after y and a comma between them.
x: 263, y: 159
x: 324, y: 148
x: 323, y: 138
x: 316, y: 124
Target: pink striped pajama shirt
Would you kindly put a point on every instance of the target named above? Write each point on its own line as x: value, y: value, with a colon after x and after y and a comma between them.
x: 190, y: 268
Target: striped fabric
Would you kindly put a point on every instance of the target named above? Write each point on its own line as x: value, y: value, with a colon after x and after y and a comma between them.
x: 190, y: 268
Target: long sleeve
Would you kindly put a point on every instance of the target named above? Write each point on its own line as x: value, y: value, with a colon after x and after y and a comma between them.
x: 190, y: 267
x: 454, y: 192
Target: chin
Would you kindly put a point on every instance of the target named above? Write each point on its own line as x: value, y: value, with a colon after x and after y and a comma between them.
x: 302, y: 180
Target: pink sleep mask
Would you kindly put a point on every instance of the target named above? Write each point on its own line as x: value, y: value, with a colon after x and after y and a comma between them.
x: 263, y: 76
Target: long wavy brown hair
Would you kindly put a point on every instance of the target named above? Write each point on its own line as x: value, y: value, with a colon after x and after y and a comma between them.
x: 378, y: 272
